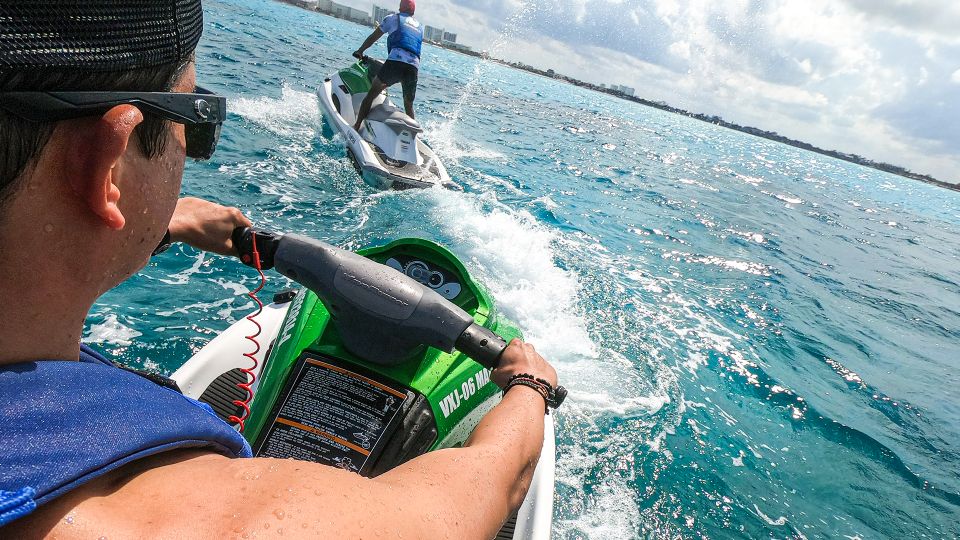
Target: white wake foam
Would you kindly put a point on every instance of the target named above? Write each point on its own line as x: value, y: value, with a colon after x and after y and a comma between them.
x: 516, y: 259
x: 294, y: 115
x: 111, y: 331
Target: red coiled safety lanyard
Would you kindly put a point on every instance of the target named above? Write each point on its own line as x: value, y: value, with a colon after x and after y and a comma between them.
x: 247, y: 386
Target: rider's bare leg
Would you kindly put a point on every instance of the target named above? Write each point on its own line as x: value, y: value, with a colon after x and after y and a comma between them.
x: 377, y: 87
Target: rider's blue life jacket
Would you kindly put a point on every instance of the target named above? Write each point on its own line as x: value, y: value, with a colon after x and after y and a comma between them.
x: 408, y: 37
x: 63, y: 424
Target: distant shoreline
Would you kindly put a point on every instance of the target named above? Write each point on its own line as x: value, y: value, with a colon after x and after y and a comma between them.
x: 717, y: 121
x: 710, y: 119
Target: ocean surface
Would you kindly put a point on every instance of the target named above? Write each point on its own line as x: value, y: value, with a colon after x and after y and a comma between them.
x: 758, y: 341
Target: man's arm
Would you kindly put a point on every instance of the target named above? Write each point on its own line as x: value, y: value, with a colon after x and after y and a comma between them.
x: 371, y: 39
x: 206, y: 226
x: 456, y: 493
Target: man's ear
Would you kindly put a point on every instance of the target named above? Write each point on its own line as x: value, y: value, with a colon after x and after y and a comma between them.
x: 94, y: 151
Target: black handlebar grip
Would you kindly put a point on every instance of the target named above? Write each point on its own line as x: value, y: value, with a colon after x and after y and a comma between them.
x: 481, y: 344
x: 266, y: 242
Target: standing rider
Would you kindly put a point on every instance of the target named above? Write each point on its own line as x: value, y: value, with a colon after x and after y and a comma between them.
x: 403, y: 63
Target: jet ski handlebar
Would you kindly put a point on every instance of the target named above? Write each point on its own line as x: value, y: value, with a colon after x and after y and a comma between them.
x: 382, y: 315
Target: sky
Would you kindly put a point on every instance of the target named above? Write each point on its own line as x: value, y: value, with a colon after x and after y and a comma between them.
x: 878, y: 78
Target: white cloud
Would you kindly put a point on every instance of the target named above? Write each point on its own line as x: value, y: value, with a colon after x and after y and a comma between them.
x: 955, y: 78
x: 680, y: 49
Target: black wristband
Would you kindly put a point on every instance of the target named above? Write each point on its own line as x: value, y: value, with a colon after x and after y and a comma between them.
x: 165, y: 244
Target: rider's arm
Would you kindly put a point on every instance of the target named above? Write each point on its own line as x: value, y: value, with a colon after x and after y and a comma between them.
x: 371, y: 39
x: 480, y: 485
x: 206, y: 225
x: 457, y: 493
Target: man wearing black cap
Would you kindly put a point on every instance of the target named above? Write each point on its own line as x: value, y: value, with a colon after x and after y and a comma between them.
x: 99, y: 109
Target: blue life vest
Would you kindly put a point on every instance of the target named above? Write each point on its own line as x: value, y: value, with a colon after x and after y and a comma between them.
x: 63, y: 424
x: 408, y: 37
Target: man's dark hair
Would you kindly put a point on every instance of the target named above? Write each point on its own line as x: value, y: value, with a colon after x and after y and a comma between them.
x: 21, y: 141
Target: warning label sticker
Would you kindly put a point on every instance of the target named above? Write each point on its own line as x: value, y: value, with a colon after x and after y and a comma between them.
x: 331, y: 415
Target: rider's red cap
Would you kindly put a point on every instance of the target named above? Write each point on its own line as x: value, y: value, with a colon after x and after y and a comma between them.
x: 408, y: 6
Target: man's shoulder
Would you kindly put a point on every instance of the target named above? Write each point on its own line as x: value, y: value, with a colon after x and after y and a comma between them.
x: 204, y: 495
x: 390, y: 22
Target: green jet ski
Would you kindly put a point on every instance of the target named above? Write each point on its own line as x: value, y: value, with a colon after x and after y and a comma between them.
x: 385, y: 355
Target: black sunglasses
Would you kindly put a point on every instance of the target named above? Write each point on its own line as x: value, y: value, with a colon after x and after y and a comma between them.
x: 202, y: 113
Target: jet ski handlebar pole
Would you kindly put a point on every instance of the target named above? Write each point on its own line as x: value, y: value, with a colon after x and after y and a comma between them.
x: 382, y: 315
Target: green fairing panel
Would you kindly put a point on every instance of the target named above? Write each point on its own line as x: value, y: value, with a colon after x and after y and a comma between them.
x: 356, y: 78
x: 453, y: 384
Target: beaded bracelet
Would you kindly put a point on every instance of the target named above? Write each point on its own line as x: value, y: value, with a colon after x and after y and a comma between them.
x: 543, y: 390
x: 554, y: 396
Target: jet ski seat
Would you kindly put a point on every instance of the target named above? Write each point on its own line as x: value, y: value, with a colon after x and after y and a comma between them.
x: 395, y: 118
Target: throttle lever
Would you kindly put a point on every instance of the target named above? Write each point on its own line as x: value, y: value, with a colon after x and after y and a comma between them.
x: 266, y: 242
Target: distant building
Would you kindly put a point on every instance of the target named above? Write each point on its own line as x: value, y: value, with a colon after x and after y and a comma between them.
x: 380, y: 13
x: 433, y: 34
x: 626, y: 90
x: 343, y: 12
x: 449, y: 37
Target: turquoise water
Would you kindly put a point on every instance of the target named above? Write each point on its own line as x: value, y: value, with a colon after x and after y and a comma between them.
x: 758, y: 341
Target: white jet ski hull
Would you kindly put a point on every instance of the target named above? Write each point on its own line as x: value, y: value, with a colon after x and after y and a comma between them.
x: 376, y: 169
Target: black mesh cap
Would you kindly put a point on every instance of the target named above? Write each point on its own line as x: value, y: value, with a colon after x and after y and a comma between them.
x: 97, y: 35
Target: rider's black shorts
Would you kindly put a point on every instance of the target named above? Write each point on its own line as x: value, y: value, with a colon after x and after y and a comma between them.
x: 394, y: 72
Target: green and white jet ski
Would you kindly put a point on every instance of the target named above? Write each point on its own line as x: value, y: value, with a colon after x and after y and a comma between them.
x: 370, y: 365
x: 388, y: 152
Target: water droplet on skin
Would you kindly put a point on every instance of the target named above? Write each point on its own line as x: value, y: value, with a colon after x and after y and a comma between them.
x: 48, y: 228
x: 266, y: 526
x: 280, y: 514
x: 280, y: 531
x: 69, y: 520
